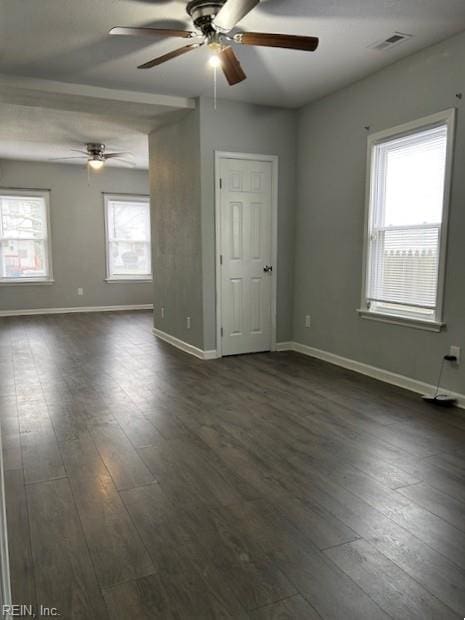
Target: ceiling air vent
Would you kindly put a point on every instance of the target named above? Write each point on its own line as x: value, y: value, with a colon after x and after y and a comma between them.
x: 391, y: 41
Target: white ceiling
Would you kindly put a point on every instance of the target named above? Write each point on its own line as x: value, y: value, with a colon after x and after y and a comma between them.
x: 42, y: 134
x: 66, y: 40
x: 42, y: 120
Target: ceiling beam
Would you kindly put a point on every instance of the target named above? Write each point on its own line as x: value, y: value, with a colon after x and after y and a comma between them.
x: 165, y: 103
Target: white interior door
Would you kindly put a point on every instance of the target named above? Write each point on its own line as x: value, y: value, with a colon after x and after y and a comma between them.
x: 246, y: 255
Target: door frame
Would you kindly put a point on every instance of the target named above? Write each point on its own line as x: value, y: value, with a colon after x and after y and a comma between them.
x: 274, y: 160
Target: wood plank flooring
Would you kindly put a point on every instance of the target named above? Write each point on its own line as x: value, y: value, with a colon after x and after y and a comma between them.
x: 143, y: 483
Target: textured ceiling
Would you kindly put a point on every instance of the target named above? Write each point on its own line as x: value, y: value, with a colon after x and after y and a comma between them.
x: 42, y: 120
x: 41, y: 134
x: 66, y: 40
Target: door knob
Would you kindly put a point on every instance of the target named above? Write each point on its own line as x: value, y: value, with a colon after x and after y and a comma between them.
x: 267, y: 268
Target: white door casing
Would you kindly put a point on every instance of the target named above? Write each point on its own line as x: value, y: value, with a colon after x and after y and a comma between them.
x: 245, y: 252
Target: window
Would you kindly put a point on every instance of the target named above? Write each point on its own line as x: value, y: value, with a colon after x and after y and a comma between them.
x: 127, y: 222
x: 24, y: 237
x: 407, y: 218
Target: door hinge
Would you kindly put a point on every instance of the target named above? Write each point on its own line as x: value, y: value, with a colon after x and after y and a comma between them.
x: 221, y: 183
x: 222, y: 332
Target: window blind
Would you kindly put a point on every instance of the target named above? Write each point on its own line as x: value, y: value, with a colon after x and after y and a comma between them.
x: 406, y: 211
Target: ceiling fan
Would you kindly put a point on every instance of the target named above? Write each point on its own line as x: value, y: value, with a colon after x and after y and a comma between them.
x: 214, y: 20
x: 96, y: 156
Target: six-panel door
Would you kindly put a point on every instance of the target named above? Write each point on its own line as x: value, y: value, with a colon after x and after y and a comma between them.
x: 246, y: 247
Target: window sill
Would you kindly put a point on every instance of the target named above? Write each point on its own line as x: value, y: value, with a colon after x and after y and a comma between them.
x: 26, y: 282
x: 430, y: 326
x: 127, y: 280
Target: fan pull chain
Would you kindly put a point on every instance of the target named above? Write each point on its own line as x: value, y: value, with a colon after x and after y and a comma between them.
x: 214, y: 87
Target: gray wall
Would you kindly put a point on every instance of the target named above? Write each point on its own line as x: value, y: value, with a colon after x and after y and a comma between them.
x: 78, y: 237
x: 249, y: 129
x: 176, y: 228
x: 331, y: 202
x: 182, y: 180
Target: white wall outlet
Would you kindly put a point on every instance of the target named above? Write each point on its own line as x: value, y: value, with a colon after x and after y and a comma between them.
x: 454, y: 350
x: 80, y: 291
x: 308, y: 321
x: 188, y: 322
x: 162, y: 312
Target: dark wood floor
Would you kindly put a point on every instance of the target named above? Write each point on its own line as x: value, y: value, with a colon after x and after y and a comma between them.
x: 143, y: 483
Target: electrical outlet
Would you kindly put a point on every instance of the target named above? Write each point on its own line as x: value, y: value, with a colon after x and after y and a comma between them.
x: 162, y: 312
x: 188, y: 322
x: 80, y: 291
x: 453, y: 350
x: 308, y: 321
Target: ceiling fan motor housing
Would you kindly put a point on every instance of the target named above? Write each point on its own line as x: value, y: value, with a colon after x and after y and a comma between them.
x: 203, y: 12
x: 95, y: 149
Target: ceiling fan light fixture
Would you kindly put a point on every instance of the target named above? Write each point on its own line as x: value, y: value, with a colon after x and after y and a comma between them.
x: 96, y: 164
x: 214, y: 61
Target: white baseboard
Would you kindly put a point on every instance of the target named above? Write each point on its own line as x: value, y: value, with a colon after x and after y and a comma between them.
x: 285, y: 346
x: 33, y: 311
x: 184, y: 346
x: 402, y: 381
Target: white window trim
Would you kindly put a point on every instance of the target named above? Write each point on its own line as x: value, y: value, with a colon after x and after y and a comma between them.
x: 112, y: 279
x: 446, y: 117
x: 45, y: 194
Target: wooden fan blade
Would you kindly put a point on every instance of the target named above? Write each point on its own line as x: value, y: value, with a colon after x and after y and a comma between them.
x: 232, y: 12
x: 152, y: 32
x: 287, y: 41
x: 174, y: 54
x: 231, y: 66
x: 112, y: 155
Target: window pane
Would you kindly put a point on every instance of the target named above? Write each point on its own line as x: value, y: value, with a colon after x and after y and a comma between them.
x: 23, y: 217
x: 405, y: 266
x: 128, y: 258
x: 23, y: 259
x: 129, y: 220
x: 128, y: 229
x: 414, y: 174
